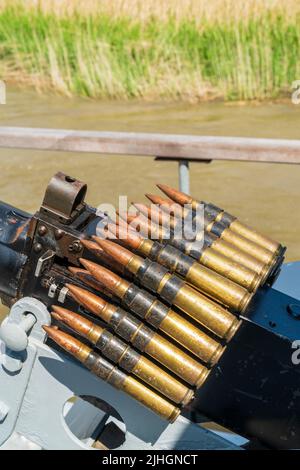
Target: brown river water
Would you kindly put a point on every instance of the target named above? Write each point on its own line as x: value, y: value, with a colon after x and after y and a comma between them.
x: 264, y: 195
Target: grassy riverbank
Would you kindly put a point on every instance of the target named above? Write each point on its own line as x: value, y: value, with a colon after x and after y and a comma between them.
x: 181, y: 49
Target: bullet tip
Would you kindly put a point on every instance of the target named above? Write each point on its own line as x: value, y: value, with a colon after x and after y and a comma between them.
x: 86, y: 242
x: 155, y: 199
x: 66, y: 341
x: 47, y: 328
x: 56, y: 316
x: 73, y: 269
x: 175, y: 195
x: 119, y: 253
x: 86, y: 263
x: 56, y: 308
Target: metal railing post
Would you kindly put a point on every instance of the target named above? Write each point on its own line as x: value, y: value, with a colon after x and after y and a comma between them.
x: 184, y: 176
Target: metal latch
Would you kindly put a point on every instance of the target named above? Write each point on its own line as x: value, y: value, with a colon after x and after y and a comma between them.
x: 44, y: 262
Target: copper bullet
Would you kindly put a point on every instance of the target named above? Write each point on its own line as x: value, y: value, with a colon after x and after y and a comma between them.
x: 201, y: 277
x: 141, y: 224
x: 114, y: 376
x: 144, y: 338
x: 175, y: 256
x: 86, y: 277
x: 175, y: 291
x: 171, y: 289
x: 125, y: 356
x: 177, y: 196
x: 158, y: 315
x: 156, y: 215
x: 167, y: 205
x: 95, y: 249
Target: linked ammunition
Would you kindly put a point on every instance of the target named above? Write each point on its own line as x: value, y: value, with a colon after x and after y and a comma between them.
x: 155, y: 214
x: 167, y: 205
x: 209, y: 257
x: 90, y: 281
x: 126, y: 357
x: 173, y: 290
x: 202, y: 278
x: 239, y: 241
x: 158, y: 315
x: 241, y: 233
x: 108, y: 261
x: 221, y: 231
x: 210, y: 240
x: 142, y: 225
x: 143, y: 338
x: 112, y: 375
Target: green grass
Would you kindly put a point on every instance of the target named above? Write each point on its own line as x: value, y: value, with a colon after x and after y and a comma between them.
x: 103, y: 56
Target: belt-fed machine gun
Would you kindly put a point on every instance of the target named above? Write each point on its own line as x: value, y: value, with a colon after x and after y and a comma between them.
x: 252, y: 388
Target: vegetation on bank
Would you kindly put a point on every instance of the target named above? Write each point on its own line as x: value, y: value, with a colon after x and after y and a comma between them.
x: 182, y: 49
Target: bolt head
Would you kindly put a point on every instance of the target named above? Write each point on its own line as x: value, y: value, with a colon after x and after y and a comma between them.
x: 42, y: 230
x: 294, y: 310
x: 76, y: 247
x: 37, y: 247
x: 58, y: 234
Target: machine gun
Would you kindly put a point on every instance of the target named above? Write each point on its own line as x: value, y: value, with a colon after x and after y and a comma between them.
x: 251, y: 386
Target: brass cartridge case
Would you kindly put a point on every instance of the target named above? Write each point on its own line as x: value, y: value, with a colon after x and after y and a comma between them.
x: 145, y: 339
x: 120, y: 380
x: 219, y: 215
x: 230, y: 269
x: 218, y: 287
x: 199, y: 307
x: 241, y: 257
x: 176, y: 292
x: 162, y: 382
x: 126, y: 357
x: 202, y: 278
x: 178, y: 361
x: 207, y: 312
x: 219, y: 238
x: 222, y: 247
x: 218, y: 222
x: 235, y: 225
x: 234, y: 266
x: 162, y: 317
x: 150, y: 399
x: 114, y: 376
x: 256, y: 237
x: 157, y: 278
x: 242, y: 243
